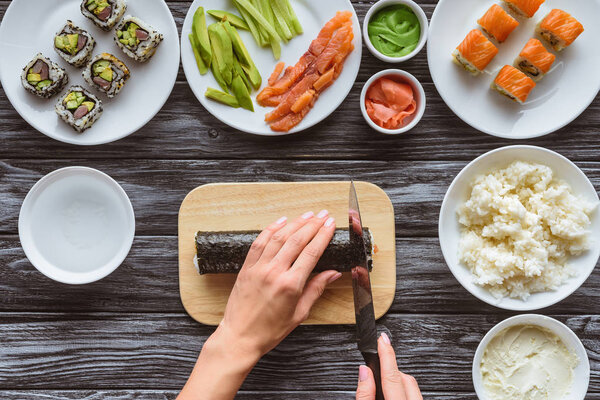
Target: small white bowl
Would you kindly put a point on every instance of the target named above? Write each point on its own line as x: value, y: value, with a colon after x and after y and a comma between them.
x: 458, y: 193
x: 422, y: 21
x: 418, y: 91
x: 581, y: 375
x: 76, y: 225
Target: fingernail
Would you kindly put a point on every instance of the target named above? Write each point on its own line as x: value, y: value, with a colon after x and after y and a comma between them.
x: 308, y: 215
x: 329, y: 221
x: 386, y: 338
x: 363, y: 373
x: 281, y: 220
x: 322, y: 214
x: 335, y: 277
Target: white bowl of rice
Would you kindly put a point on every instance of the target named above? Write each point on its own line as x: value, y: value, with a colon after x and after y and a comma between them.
x: 519, y: 228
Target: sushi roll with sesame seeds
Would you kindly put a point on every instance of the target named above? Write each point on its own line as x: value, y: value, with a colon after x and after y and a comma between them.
x: 107, y: 74
x: 79, y: 108
x: 43, y: 77
x: 104, y: 13
x: 74, y: 45
x: 137, y: 39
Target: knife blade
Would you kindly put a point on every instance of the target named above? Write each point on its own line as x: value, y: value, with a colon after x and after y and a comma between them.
x: 366, y: 328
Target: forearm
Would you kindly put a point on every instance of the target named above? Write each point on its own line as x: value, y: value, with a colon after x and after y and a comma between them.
x: 221, y: 368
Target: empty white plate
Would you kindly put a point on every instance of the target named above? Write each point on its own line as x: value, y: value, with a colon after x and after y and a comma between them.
x: 28, y: 28
x: 76, y: 225
x: 312, y: 15
x: 560, y: 97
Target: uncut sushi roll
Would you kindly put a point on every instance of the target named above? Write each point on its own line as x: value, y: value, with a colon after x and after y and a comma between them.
x: 513, y: 84
x: 524, y: 8
x: 74, y: 45
x: 104, y: 13
x: 106, y: 73
x: 534, y: 60
x: 79, y: 108
x: 137, y: 39
x: 43, y: 77
x: 497, y: 23
x: 225, y: 252
x: 475, y: 52
x: 559, y: 29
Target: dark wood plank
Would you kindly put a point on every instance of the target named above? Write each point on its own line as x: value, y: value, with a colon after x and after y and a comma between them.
x: 104, y: 351
x: 424, y: 284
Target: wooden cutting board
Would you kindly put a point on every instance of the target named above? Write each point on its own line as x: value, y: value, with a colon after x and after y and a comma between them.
x: 252, y: 206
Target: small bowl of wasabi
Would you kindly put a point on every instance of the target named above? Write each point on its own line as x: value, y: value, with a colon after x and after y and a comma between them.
x: 395, y: 30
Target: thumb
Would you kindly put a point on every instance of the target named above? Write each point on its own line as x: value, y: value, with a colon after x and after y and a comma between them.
x: 313, y: 291
x: 366, y: 384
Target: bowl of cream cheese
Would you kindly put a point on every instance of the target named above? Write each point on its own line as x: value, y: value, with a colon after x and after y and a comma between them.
x: 530, y: 357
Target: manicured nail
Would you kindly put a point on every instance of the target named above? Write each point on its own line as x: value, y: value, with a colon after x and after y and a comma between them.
x: 363, y: 373
x: 322, y: 214
x: 335, y: 277
x: 386, y: 338
x: 308, y: 215
x: 329, y: 221
x: 281, y: 220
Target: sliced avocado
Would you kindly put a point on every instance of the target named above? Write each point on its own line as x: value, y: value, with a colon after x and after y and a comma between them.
x: 107, y: 74
x: 33, y: 78
x: 214, y: 67
x: 133, y: 41
x: 119, y: 34
x: 199, y: 61
x: 200, y: 31
x: 89, y: 104
x: 238, y: 71
x: 233, y: 19
x: 70, y: 97
x: 72, y: 104
x: 222, y: 50
x: 59, y: 42
x: 43, y: 84
x: 100, y: 66
x: 221, y: 97
x: 72, y: 39
x: 239, y: 89
x: 124, y: 41
x: 126, y: 35
x: 243, y: 55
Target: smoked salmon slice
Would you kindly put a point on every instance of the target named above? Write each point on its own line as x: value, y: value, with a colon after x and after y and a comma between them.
x: 526, y: 8
x: 560, y: 29
x: 475, y: 52
x: 534, y: 60
x: 513, y: 83
x: 276, y: 72
x: 326, y: 33
x: 497, y: 23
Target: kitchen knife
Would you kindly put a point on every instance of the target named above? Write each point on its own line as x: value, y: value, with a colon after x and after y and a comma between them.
x: 366, y: 329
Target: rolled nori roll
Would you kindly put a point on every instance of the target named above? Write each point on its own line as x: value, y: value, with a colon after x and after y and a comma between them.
x: 137, y: 39
x: 74, y: 45
x: 43, y: 77
x: 104, y: 13
x: 225, y: 252
x: 107, y: 74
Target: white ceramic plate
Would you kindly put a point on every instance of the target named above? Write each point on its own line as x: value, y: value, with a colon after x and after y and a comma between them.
x: 458, y: 193
x: 312, y: 15
x: 581, y: 375
x: 29, y: 26
x: 76, y: 225
x: 560, y: 97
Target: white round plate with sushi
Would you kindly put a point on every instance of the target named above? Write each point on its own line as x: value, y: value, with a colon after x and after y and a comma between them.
x: 562, y: 94
x: 312, y: 16
x: 29, y: 26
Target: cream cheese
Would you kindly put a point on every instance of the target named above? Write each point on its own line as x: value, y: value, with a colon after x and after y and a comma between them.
x: 526, y: 362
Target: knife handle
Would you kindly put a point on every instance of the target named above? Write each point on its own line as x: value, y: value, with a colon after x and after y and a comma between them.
x: 372, y: 361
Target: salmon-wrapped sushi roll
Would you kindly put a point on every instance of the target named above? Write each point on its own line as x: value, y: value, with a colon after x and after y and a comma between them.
x: 513, y: 84
x: 559, y: 29
x: 534, y: 60
x: 497, y: 23
x: 475, y: 52
x: 524, y: 8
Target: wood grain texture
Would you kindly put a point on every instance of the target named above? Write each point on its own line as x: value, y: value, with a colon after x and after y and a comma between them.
x: 159, y: 350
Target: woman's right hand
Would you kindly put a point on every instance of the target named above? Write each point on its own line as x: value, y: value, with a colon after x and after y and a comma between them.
x: 395, y: 384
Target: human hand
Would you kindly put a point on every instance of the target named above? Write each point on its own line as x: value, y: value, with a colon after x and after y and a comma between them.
x: 271, y: 296
x: 395, y: 384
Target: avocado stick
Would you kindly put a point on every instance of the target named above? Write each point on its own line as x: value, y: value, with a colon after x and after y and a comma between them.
x: 222, y: 50
x: 216, y: 70
x: 244, y: 57
x: 241, y: 93
x: 294, y: 19
x: 201, y: 33
x: 237, y: 69
x: 222, y: 97
x: 280, y: 18
x: 233, y: 19
x: 199, y: 61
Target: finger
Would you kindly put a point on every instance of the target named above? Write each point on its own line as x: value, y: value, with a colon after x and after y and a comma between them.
x: 366, y: 384
x: 411, y: 388
x: 312, y: 292
x: 260, y: 243
x: 391, y: 378
x: 299, y: 240
x: 278, y: 239
x: 310, y: 255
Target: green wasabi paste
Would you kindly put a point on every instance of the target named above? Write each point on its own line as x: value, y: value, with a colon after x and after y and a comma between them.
x: 395, y: 30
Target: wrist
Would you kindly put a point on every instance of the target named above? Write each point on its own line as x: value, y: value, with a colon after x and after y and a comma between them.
x: 227, y: 346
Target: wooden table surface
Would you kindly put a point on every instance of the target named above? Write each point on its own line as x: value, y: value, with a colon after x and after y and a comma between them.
x: 128, y: 337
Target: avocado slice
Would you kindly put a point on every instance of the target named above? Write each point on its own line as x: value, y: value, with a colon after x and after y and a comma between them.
x: 89, y: 104
x: 100, y: 66
x: 238, y: 71
x: 214, y: 67
x: 72, y: 104
x: 72, y: 40
x: 222, y: 50
x: 201, y: 32
x: 221, y: 97
x: 199, y: 61
x: 107, y: 74
x: 239, y: 89
x: 233, y: 19
x: 43, y: 84
x: 243, y: 55
x: 33, y: 78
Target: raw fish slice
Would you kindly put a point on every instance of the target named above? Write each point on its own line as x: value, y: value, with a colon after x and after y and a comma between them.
x: 326, y: 33
x: 290, y: 76
x: 536, y: 54
x: 497, y: 23
x: 291, y: 120
x: 340, y: 40
x: 285, y: 106
x: 325, y: 80
x: 513, y: 83
x: 526, y: 8
x: 477, y: 50
x: 276, y: 73
x: 562, y: 26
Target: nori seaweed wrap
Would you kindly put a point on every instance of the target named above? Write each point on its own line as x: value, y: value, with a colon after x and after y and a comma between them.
x: 137, y: 39
x: 79, y: 108
x: 225, y: 252
x: 74, y: 45
x: 107, y: 74
x: 43, y: 77
x: 104, y: 13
